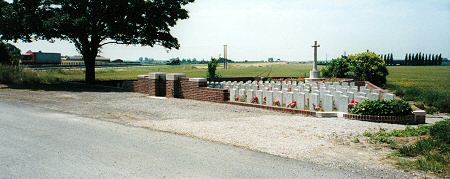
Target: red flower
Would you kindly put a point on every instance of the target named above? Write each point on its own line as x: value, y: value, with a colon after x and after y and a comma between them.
x: 352, y: 104
x: 255, y: 100
x: 276, y: 103
x: 293, y: 104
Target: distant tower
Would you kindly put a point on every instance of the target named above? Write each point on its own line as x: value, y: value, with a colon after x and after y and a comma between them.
x: 225, y: 56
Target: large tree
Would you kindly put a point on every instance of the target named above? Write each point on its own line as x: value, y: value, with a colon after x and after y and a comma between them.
x: 92, y: 24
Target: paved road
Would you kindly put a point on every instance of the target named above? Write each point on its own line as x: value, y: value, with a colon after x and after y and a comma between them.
x: 38, y: 143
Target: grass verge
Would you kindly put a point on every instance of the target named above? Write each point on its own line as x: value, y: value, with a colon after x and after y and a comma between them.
x: 18, y: 76
x: 425, y: 148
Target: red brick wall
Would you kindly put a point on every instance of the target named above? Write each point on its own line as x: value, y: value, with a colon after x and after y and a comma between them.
x: 173, y: 89
x: 383, y: 119
x: 199, y: 91
x: 142, y: 85
x: 181, y: 89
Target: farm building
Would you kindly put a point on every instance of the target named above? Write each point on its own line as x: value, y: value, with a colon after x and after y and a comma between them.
x: 78, y: 60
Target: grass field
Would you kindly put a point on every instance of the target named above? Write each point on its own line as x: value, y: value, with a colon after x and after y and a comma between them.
x: 429, y: 85
x: 235, y: 70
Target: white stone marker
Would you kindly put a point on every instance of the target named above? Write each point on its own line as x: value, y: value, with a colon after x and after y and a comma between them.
x: 313, y: 101
x: 343, y: 104
x: 301, y: 100
x: 288, y: 98
x: 360, y: 99
x: 389, y: 96
x: 250, y: 95
x: 269, y: 98
x: 241, y: 95
x: 259, y: 94
x: 351, y: 96
x: 328, y: 103
x: 374, y: 96
x: 233, y: 94
x: 278, y: 96
x: 255, y: 87
x: 361, y: 94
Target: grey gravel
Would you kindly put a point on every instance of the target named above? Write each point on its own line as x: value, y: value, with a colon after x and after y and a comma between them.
x: 326, y: 142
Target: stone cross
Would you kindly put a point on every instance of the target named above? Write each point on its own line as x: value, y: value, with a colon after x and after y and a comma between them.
x: 315, y: 46
x: 315, y: 73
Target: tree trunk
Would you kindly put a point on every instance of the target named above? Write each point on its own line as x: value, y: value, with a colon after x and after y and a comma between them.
x: 89, y: 63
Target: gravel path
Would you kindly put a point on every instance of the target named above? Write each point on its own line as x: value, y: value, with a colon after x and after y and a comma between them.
x: 324, y: 141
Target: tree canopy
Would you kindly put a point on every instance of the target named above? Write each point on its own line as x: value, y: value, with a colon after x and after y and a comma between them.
x: 366, y: 66
x: 9, y: 54
x: 91, y: 24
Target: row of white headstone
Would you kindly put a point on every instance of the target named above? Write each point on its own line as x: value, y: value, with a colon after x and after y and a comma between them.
x: 304, y: 96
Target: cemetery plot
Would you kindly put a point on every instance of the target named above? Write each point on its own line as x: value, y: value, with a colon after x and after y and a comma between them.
x: 298, y: 95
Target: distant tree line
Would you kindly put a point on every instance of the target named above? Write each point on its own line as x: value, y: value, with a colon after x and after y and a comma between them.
x: 418, y: 59
x: 178, y: 61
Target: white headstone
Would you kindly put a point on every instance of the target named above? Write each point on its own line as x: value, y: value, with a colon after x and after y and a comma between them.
x: 351, y: 96
x: 361, y: 94
x: 259, y: 94
x: 288, y: 98
x: 313, y: 101
x: 343, y: 104
x: 233, y: 94
x: 374, y: 96
x: 249, y: 96
x: 301, y: 100
x: 389, y: 96
x: 360, y: 99
x: 242, y: 95
x: 278, y: 97
x: 269, y: 98
x: 328, y: 103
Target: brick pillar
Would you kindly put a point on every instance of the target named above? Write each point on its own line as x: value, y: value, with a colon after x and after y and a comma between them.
x: 142, y: 84
x: 157, y: 84
x: 173, y: 85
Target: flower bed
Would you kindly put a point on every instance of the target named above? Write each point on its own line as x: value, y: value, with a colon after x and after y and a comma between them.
x: 394, y: 112
x: 277, y: 109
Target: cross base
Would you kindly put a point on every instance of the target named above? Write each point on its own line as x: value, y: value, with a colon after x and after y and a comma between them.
x: 314, y: 74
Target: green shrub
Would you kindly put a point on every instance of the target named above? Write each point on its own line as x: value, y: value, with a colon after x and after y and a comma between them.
x: 427, y: 154
x: 9, y: 54
x: 440, y: 131
x: 434, y: 100
x: 419, y: 148
x: 383, y: 108
x: 19, y: 76
x: 337, y: 68
x: 366, y: 66
x: 212, y: 68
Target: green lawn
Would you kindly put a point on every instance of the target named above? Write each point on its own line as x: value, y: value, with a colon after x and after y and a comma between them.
x: 429, y: 85
x: 235, y: 70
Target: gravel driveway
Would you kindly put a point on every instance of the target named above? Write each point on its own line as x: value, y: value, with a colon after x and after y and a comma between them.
x: 324, y: 141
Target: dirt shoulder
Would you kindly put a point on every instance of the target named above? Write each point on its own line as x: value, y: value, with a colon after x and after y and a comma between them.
x: 326, y: 141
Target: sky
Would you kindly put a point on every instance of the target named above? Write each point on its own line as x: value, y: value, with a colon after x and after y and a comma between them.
x: 286, y: 29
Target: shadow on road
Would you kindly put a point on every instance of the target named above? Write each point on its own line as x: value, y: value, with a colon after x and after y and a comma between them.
x: 104, y: 86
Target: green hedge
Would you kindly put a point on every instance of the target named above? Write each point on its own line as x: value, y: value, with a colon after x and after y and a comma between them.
x: 17, y: 75
x: 383, y: 108
x: 441, y: 131
x: 366, y: 66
